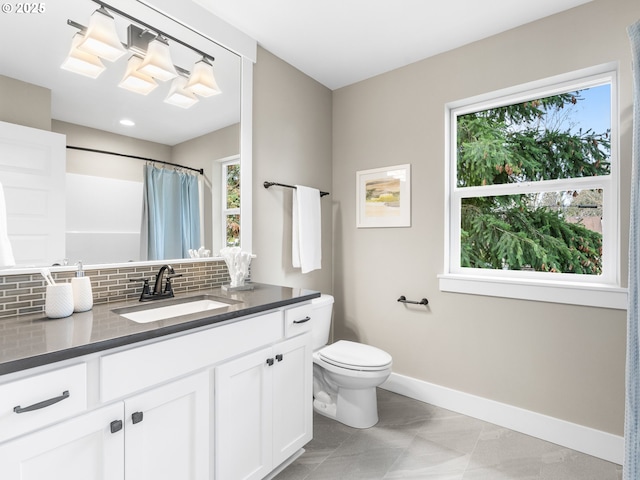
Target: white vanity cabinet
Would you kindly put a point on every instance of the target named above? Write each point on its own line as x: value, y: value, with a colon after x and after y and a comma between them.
x: 263, y: 411
x: 161, y: 434
x: 167, y: 431
x: 292, y: 397
x: 83, y: 448
x: 226, y: 402
x: 36, y: 401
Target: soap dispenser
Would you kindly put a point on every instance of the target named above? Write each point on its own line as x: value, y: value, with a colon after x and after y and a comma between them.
x: 82, y: 293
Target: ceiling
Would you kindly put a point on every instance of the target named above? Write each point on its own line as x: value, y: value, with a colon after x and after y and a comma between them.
x: 336, y: 42
x: 340, y: 42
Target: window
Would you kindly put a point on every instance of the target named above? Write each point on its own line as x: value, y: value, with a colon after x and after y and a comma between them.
x: 231, y: 203
x: 532, y: 193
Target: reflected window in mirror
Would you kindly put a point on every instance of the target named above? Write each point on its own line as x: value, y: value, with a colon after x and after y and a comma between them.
x: 231, y: 202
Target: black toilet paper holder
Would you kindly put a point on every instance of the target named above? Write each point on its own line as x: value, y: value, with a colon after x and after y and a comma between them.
x: 422, y: 301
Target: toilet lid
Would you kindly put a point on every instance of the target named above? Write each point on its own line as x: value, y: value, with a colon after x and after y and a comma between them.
x: 355, y: 355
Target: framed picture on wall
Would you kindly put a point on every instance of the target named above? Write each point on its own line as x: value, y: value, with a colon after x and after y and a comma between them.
x: 384, y: 197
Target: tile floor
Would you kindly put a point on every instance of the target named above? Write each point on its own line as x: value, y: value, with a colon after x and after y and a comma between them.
x: 419, y: 441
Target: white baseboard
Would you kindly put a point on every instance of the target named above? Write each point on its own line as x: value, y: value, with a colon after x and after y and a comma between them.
x: 571, y: 435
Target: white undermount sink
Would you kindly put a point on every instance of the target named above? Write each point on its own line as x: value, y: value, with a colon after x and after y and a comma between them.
x: 177, y: 308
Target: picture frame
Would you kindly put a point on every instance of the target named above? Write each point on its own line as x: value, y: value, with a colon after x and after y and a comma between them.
x: 383, y: 197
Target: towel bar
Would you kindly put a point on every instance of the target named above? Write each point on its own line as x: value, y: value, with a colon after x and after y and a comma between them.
x: 271, y: 184
x: 423, y: 301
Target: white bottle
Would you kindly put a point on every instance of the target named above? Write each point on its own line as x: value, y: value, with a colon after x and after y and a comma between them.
x: 82, y: 293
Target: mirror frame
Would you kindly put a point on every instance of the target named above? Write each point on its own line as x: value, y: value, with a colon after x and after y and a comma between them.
x: 196, y: 26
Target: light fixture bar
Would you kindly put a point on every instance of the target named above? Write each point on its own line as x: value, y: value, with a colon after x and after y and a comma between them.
x: 77, y: 25
x: 138, y: 39
x: 152, y: 28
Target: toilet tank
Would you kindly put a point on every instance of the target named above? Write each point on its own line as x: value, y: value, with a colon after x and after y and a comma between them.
x: 322, y: 309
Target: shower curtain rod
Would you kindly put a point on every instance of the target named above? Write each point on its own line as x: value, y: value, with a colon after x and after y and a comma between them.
x: 93, y: 150
x: 271, y: 184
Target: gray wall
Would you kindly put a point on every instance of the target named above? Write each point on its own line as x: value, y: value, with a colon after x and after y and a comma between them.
x: 25, y: 104
x: 559, y: 360
x: 292, y: 145
x: 110, y: 166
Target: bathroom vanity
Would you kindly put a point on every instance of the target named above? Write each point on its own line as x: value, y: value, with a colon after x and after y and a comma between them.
x: 221, y: 394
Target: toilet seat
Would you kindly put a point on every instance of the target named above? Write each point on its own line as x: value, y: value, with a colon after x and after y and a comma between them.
x: 355, y: 356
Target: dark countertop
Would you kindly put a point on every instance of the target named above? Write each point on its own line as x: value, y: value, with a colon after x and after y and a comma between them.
x: 33, y: 340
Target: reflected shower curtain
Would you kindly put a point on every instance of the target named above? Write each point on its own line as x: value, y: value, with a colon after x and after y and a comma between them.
x: 171, y: 214
x: 632, y: 402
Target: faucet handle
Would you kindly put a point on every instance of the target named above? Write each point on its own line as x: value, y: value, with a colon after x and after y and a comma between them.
x: 168, y: 287
x: 145, y: 287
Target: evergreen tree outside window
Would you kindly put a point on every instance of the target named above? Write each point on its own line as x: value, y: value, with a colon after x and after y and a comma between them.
x: 532, y: 192
x: 231, y: 203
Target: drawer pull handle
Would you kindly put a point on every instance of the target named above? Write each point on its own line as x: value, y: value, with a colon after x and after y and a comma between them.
x: 137, y: 417
x: 304, y: 320
x: 279, y: 357
x: 43, y: 404
x: 270, y: 362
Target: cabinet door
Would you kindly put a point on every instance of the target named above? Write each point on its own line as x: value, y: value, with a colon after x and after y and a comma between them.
x: 168, y: 431
x: 83, y: 448
x: 243, y: 393
x: 292, y: 396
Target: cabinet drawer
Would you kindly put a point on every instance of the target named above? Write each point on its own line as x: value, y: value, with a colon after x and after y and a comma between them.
x: 139, y: 368
x: 33, y: 402
x: 297, y: 320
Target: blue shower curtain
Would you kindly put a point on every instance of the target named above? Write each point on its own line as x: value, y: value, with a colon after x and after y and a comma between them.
x: 171, y: 214
x: 632, y: 407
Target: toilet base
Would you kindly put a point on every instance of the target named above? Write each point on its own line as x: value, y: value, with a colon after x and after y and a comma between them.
x: 326, y: 409
x: 354, y: 408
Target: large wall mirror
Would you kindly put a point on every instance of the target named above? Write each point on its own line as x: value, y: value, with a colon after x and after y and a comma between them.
x: 103, y: 191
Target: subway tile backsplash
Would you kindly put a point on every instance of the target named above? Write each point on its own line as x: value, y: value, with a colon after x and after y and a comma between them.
x: 24, y: 294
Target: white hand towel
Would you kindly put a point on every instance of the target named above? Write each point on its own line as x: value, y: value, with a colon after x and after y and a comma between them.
x: 306, y: 245
x: 6, y: 252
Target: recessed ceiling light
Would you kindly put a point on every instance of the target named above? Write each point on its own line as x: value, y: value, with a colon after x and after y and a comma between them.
x: 127, y: 123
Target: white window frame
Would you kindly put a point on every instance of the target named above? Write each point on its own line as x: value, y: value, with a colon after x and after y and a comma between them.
x: 601, y: 290
x: 225, y: 212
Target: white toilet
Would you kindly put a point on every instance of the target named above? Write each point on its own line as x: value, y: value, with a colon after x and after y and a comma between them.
x: 345, y: 374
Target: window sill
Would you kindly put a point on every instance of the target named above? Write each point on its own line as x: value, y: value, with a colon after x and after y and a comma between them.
x: 600, y: 295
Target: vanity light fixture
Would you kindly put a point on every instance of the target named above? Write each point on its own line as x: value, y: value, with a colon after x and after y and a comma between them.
x: 202, y: 80
x: 179, y: 94
x: 136, y: 81
x: 82, y: 62
x: 101, y: 38
x: 157, y: 62
x: 150, y: 60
